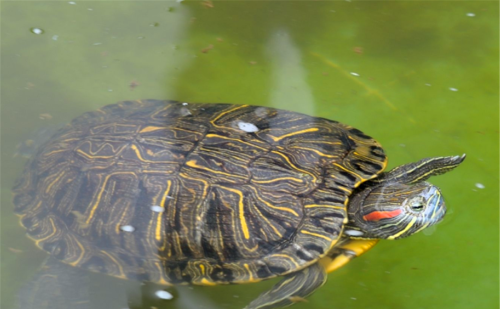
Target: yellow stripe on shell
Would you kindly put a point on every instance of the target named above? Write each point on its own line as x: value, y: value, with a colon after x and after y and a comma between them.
x: 99, y: 195
x: 284, y: 256
x: 53, y: 152
x: 316, y: 151
x: 250, y: 276
x: 54, y: 231
x: 351, y: 172
x: 123, y: 214
x: 269, y: 223
x: 115, y: 151
x: 151, y: 129
x: 234, y: 139
x: 241, y: 210
x: 139, y: 156
x: 204, y: 281
x: 122, y: 273
x: 47, y: 190
x: 272, y: 206
x: 294, y: 166
x: 316, y: 235
x: 193, y: 163
x: 323, y: 206
x: 159, y: 215
x: 278, y: 179
x: 161, y: 271
x: 225, y: 113
x: 82, y: 254
x: 293, y: 133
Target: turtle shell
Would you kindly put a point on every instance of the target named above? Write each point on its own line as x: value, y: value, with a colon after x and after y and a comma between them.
x: 173, y: 192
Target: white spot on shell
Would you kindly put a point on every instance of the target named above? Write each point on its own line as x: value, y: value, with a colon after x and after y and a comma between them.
x: 428, y: 85
x: 72, y: 2
x: 184, y: 103
x: 470, y: 14
x: 479, y: 185
x: 164, y: 294
x: 354, y: 74
x: 353, y: 233
x: 127, y: 228
x: 157, y: 208
x: 247, y: 127
x: 453, y: 89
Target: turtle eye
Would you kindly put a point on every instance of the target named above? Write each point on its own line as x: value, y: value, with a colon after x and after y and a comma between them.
x: 417, y: 204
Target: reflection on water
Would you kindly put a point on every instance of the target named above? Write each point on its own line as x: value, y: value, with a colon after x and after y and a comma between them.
x: 288, y: 84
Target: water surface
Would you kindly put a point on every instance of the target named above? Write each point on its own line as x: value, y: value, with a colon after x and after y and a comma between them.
x: 420, y: 77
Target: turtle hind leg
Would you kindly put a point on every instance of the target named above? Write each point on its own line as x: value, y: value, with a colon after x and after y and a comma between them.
x: 56, y: 286
x: 292, y: 288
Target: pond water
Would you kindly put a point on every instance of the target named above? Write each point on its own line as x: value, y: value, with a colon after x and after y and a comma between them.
x: 420, y: 77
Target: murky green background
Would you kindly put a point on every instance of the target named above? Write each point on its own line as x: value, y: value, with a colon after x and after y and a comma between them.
x: 427, y: 86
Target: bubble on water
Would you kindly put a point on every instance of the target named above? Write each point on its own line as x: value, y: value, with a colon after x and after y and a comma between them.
x: 479, y: 185
x: 164, y: 294
x: 37, y: 30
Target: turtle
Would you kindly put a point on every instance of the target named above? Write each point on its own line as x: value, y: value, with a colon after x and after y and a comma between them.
x: 209, y: 193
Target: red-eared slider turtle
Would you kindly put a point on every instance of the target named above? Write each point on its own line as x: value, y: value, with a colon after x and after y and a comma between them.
x: 210, y: 194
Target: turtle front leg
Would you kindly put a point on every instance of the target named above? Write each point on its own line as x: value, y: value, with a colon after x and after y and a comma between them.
x: 292, y: 288
x: 297, y: 286
x: 346, y: 250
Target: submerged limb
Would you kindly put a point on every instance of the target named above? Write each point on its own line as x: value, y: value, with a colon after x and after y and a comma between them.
x: 56, y: 286
x: 292, y: 288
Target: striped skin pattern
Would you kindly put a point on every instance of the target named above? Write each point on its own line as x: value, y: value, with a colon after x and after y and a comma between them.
x: 172, y: 192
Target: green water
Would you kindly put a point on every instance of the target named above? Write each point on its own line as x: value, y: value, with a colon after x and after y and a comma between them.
x: 427, y: 86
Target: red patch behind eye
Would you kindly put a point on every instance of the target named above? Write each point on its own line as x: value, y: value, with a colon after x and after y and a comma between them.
x: 377, y: 215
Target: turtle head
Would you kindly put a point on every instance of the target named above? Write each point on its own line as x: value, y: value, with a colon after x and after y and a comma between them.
x: 399, y: 203
x: 394, y: 211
